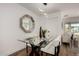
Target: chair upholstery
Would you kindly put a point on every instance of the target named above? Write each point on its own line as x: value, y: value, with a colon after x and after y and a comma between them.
x: 66, y: 37
x: 54, y: 44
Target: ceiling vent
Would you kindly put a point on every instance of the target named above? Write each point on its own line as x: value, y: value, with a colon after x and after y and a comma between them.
x: 45, y: 4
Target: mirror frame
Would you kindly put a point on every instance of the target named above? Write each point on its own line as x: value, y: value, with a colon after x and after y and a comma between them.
x: 33, y: 23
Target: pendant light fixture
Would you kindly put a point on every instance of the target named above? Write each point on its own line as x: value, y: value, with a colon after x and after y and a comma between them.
x: 45, y: 4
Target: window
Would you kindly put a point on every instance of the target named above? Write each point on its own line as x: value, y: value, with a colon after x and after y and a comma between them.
x: 72, y: 27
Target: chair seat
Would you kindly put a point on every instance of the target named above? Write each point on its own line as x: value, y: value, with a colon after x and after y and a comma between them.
x: 50, y: 50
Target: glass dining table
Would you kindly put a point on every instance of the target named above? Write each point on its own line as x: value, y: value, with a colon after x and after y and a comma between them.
x: 35, y: 43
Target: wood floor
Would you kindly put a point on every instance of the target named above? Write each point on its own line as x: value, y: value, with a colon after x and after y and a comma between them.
x: 21, y: 52
x: 67, y: 51
x: 64, y: 51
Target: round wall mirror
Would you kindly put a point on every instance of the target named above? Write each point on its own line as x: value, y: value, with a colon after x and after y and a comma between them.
x: 27, y: 23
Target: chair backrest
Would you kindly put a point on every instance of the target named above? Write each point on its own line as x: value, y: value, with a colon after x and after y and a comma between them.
x: 66, y: 37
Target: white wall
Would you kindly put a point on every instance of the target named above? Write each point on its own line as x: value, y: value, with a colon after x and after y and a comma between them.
x: 71, y: 20
x: 10, y: 30
x: 71, y: 14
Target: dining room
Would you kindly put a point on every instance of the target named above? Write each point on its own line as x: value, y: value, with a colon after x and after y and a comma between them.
x: 39, y: 29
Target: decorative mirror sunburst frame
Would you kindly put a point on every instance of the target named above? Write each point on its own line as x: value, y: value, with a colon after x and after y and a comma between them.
x: 31, y: 21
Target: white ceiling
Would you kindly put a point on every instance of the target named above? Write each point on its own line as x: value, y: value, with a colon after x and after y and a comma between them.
x: 50, y: 8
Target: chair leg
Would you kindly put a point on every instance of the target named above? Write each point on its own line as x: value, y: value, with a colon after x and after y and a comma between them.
x: 41, y: 53
x: 26, y: 49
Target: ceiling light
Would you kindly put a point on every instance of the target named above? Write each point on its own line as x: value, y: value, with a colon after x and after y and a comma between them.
x: 45, y: 14
x: 41, y: 10
x: 45, y: 4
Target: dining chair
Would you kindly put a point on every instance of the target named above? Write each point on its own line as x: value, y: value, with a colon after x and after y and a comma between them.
x: 57, y: 50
